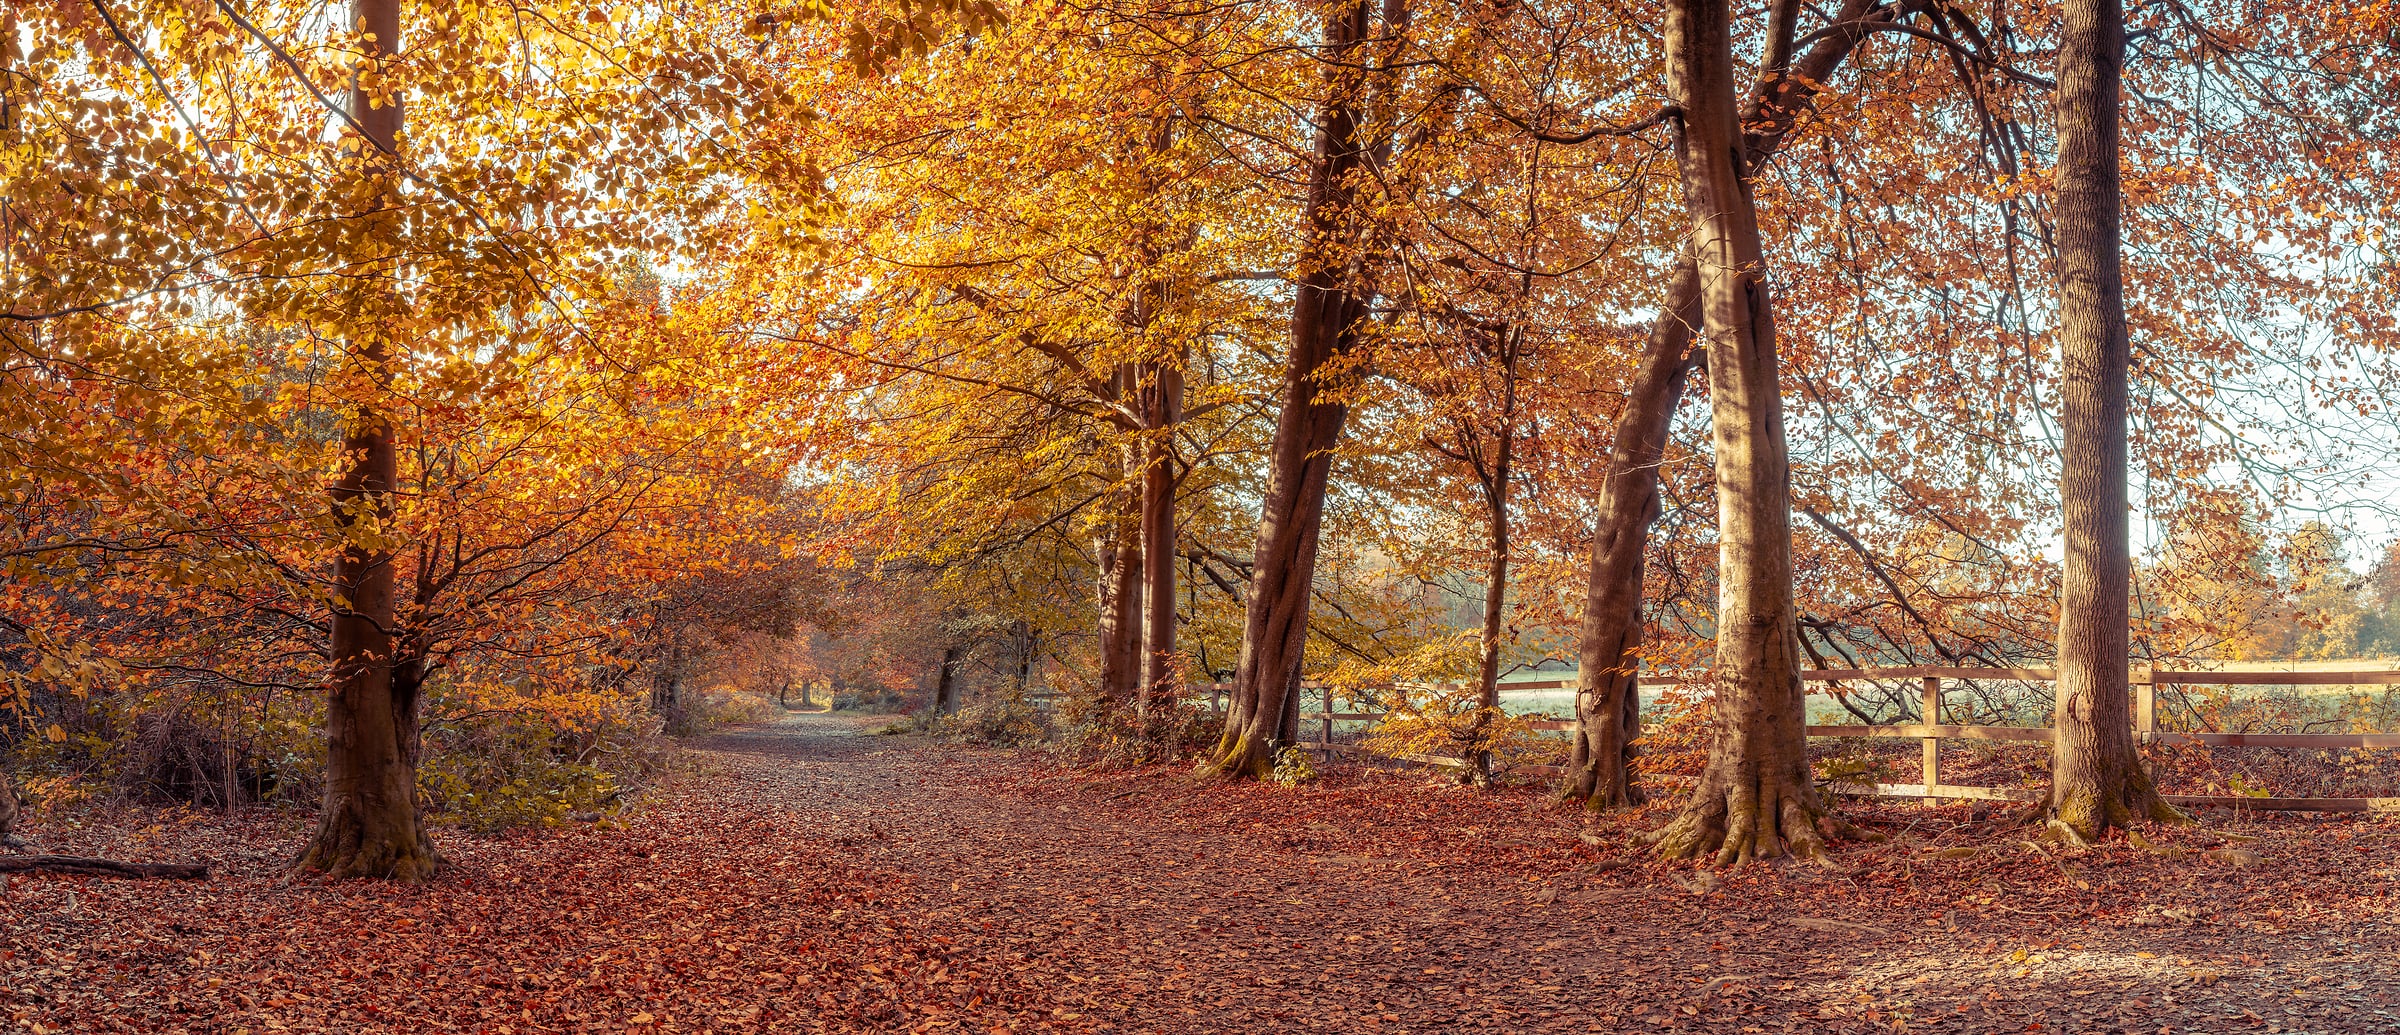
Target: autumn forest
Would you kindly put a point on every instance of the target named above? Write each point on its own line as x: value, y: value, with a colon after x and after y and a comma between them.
x: 1412, y: 515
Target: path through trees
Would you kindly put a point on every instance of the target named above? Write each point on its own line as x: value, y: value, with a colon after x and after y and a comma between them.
x: 823, y: 874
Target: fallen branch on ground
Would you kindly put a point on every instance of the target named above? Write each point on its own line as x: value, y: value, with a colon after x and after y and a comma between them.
x: 88, y: 867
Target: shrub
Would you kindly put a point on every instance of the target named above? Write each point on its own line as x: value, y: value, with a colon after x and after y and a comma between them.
x: 698, y: 712
x: 874, y: 701
x: 1442, y: 720
x: 994, y: 723
x: 1855, y: 767
x: 1095, y: 731
x: 527, y: 768
x: 1293, y: 768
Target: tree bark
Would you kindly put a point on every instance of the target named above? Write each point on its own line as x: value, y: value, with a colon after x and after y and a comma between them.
x: 945, y: 685
x: 1028, y: 645
x: 1163, y: 405
x: 1608, y: 703
x: 408, y: 691
x: 1121, y: 609
x: 1608, y: 708
x: 1121, y: 589
x: 2096, y: 776
x: 1494, y: 475
x: 10, y: 810
x: 1756, y: 798
x: 1487, y: 668
x: 1327, y: 313
x: 368, y: 826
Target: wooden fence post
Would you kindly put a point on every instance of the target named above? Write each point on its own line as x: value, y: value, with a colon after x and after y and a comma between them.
x: 2145, y: 706
x: 1933, y: 745
x: 1327, y: 737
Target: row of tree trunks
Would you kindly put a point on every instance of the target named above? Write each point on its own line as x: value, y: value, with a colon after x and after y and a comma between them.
x: 2096, y: 777
x: 1137, y: 593
x: 1330, y: 305
x: 369, y: 826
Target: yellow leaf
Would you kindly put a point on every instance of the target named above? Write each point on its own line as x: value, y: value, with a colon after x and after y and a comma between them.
x: 58, y: 734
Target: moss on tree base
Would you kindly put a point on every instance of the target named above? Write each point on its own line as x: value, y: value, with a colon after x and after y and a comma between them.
x: 2087, y: 811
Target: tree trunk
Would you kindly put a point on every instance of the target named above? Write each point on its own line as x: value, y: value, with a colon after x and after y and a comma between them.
x: 1608, y: 703
x: 1487, y: 669
x: 1494, y: 476
x: 1608, y: 713
x: 1163, y: 405
x: 408, y: 690
x: 2096, y: 777
x: 945, y: 685
x: 1755, y: 798
x: 368, y: 826
x: 1329, y: 307
x: 1121, y: 592
x: 1028, y: 648
x: 10, y: 810
x: 666, y: 683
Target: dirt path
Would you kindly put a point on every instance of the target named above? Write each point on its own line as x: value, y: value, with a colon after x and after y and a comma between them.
x: 814, y: 878
x: 1151, y: 903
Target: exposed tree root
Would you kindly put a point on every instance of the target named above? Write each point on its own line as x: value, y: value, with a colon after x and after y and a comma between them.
x: 1241, y: 758
x: 2084, y: 814
x: 347, y: 846
x: 1740, y: 824
x: 1599, y: 787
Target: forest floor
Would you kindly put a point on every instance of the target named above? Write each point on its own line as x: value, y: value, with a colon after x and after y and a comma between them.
x: 810, y: 876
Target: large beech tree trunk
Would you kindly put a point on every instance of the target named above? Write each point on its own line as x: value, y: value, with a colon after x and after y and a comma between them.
x: 1327, y: 314
x: 368, y: 826
x: 1163, y: 404
x: 1607, y: 709
x: 1608, y: 704
x: 1755, y: 799
x: 2096, y: 777
x: 1121, y: 587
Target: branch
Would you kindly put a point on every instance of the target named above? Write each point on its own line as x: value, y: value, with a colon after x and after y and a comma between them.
x: 82, y: 866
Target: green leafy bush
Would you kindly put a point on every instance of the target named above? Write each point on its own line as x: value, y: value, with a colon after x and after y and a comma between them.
x: 527, y: 769
x: 1293, y: 768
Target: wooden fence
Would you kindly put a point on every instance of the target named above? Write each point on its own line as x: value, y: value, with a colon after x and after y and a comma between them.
x: 1930, y: 682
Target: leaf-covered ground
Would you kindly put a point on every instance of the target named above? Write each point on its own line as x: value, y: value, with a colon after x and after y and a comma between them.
x: 821, y: 879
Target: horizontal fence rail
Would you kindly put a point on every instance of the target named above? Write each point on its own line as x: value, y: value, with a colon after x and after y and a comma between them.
x: 2145, y: 683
